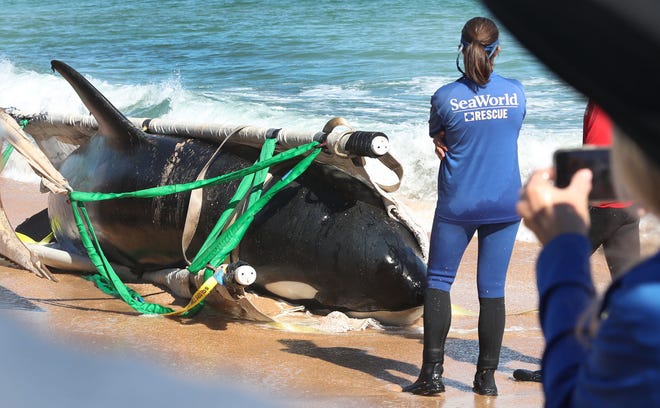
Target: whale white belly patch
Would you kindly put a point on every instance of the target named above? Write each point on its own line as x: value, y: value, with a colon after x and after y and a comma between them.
x: 292, y: 290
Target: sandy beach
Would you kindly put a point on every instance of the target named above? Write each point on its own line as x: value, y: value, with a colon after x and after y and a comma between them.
x: 356, y: 369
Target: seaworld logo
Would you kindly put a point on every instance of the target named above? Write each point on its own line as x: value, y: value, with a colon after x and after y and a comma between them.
x: 485, y: 107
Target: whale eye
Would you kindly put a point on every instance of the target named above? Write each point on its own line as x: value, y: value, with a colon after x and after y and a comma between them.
x: 325, y: 219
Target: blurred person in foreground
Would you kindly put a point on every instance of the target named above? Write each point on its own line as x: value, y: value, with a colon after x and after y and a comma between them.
x: 601, y: 351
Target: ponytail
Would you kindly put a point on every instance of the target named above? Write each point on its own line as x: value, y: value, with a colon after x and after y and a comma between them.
x: 479, y: 45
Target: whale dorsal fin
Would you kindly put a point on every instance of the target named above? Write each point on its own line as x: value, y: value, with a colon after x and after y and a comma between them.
x: 112, y: 123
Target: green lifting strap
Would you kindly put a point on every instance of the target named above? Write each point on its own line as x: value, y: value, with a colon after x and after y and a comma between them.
x: 102, y: 264
x: 10, y: 148
x: 84, y: 196
x: 254, y: 183
x: 221, y: 247
x: 217, y: 246
x: 5, y: 156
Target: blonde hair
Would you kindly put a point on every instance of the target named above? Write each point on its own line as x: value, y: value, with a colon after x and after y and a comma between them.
x: 635, y: 175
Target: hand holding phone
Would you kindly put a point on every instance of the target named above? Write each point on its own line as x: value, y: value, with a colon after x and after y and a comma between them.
x: 597, y: 159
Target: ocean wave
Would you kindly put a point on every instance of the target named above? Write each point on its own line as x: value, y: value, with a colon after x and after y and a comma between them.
x: 396, y: 107
x: 34, y: 92
x: 402, y: 117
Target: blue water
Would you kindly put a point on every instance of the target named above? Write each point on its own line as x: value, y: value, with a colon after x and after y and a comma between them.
x: 274, y: 63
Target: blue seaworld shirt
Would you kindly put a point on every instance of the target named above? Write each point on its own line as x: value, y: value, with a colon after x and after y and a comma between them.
x: 479, y: 178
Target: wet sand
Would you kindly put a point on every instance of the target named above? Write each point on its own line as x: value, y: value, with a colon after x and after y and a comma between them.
x: 355, y: 369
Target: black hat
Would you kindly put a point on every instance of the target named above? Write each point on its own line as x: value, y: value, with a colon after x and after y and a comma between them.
x: 607, y: 49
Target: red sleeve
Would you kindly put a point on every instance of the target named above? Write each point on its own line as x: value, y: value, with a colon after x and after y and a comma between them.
x: 597, y: 126
x: 597, y: 130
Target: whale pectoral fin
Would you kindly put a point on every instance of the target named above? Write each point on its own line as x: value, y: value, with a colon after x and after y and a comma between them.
x: 248, y: 309
x: 234, y: 300
x: 252, y: 311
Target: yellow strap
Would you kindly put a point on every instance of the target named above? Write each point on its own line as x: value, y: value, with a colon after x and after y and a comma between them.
x: 24, y: 238
x: 200, y: 294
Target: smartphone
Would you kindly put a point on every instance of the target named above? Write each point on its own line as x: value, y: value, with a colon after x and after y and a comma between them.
x: 597, y: 159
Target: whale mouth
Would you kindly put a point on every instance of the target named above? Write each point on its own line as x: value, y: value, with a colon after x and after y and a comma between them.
x: 404, y: 317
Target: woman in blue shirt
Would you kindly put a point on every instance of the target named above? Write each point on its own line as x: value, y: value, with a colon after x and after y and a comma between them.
x: 474, y: 123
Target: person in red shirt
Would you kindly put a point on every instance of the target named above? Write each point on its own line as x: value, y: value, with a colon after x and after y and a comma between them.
x: 614, y: 225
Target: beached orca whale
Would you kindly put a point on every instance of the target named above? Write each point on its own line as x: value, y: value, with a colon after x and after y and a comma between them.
x: 324, y: 241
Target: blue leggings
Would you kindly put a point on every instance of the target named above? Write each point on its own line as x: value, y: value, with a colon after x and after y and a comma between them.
x: 448, y: 244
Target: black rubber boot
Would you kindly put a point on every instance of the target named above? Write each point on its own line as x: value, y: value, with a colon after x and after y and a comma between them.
x: 437, y: 319
x: 491, y: 330
x: 484, y: 382
x: 527, y: 375
x: 429, y: 381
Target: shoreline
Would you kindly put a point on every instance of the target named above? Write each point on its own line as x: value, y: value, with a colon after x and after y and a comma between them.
x: 353, y: 369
